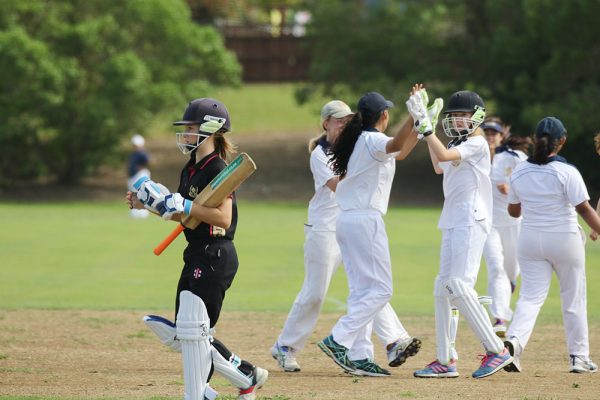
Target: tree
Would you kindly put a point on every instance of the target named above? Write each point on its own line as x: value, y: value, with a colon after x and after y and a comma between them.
x: 527, y: 58
x: 81, y: 74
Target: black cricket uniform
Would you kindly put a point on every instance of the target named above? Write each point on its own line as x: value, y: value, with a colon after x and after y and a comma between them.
x: 210, y: 259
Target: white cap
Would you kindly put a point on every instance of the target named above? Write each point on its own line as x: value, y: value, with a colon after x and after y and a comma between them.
x: 138, y: 140
x: 335, y: 109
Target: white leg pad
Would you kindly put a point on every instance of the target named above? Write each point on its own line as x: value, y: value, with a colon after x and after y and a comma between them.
x: 442, y: 323
x: 465, y: 299
x: 164, y: 329
x: 192, y: 331
x: 229, y: 369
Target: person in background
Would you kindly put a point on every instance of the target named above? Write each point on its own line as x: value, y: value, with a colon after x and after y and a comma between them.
x: 594, y: 234
x: 550, y: 194
x: 137, y: 166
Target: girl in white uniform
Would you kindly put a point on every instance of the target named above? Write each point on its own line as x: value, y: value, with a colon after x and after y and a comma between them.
x: 550, y: 193
x: 363, y: 156
x: 465, y: 222
x: 500, y: 250
x: 322, y: 257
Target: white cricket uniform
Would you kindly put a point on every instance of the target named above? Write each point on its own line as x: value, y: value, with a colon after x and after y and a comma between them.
x: 322, y: 257
x: 500, y: 250
x: 465, y: 222
x: 551, y: 240
x: 363, y: 197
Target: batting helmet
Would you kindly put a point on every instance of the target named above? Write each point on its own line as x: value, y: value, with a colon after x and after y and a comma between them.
x: 463, y: 101
x: 201, y: 111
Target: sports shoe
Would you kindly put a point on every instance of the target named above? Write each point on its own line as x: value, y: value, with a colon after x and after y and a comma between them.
x: 286, y: 357
x: 337, y: 352
x: 259, y: 377
x: 581, y: 365
x: 513, y: 349
x: 500, y: 328
x: 492, y: 363
x: 437, y: 370
x: 400, y: 351
x: 367, y: 367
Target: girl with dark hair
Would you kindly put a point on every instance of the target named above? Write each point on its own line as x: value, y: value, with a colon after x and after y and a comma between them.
x: 364, y: 158
x: 550, y: 193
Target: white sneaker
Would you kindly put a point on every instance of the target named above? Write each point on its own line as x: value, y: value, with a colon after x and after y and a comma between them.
x: 514, y: 348
x: 286, y: 357
x: 258, y: 380
x: 581, y: 365
x: 400, y: 351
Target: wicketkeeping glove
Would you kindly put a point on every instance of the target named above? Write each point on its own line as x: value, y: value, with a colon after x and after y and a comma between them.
x: 417, y: 107
x: 174, y: 203
x: 150, y: 193
x: 433, y: 111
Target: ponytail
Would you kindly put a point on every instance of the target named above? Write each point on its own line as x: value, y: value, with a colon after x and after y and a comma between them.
x: 223, y: 145
x: 543, y: 147
x: 312, y: 143
x: 344, y: 145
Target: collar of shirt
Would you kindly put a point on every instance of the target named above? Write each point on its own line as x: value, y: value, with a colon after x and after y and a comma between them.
x: 550, y: 159
x: 371, y: 129
x: 324, y: 144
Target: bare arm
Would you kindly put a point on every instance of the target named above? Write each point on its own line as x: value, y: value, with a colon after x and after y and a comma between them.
x: 440, y: 151
x: 594, y: 234
x: 404, y: 141
x: 435, y: 163
x: 514, y: 210
x: 219, y: 216
x: 332, y: 183
x: 589, y: 215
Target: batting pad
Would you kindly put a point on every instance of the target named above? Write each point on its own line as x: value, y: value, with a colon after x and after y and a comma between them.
x: 465, y: 299
x: 192, y: 331
x: 164, y: 329
x: 229, y: 369
x: 442, y: 323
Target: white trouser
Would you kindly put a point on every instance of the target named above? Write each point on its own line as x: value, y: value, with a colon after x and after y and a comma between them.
x: 322, y: 257
x: 365, y: 252
x: 500, y: 254
x: 540, y: 253
x: 460, y: 258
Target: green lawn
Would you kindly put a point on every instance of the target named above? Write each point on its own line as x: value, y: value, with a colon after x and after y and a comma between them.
x: 93, y: 256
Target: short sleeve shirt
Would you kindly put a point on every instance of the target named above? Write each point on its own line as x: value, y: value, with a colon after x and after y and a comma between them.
x: 467, y: 186
x: 322, y: 208
x: 503, y: 165
x: 368, y: 181
x: 548, y: 195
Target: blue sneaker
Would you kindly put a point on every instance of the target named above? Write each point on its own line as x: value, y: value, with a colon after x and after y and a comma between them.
x: 337, y: 352
x: 492, y: 363
x: 438, y: 370
x: 367, y: 367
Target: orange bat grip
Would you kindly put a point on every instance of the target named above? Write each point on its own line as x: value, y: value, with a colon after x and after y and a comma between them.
x: 167, y: 241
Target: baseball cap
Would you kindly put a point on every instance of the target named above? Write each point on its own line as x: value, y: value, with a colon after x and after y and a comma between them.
x: 335, y: 109
x: 493, y: 126
x: 373, y: 103
x: 138, y: 140
x: 552, y: 127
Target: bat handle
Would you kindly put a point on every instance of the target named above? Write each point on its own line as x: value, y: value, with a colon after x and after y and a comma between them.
x: 167, y: 241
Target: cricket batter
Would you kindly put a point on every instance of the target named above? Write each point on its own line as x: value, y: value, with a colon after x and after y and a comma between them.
x: 549, y: 193
x: 210, y: 259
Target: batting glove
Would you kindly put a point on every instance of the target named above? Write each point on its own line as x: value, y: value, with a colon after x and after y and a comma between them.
x: 433, y: 111
x: 174, y: 203
x: 150, y: 193
x: 417, y: 107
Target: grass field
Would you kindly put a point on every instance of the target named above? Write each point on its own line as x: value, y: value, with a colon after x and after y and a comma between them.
x: 93, y: 256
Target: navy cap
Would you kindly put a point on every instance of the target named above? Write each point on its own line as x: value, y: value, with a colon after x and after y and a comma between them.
x: 373, y: 103
x: 493, y: 126
x: 552, y: 127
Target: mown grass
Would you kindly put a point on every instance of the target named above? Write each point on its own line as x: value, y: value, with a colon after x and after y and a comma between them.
x: 94, y: 256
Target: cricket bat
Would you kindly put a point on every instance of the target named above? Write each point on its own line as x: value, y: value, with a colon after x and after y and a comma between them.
x: 222, y: 185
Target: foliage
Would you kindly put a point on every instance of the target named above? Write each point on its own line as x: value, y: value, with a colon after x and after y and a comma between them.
x: 527, y: 58
x: 81, y: 74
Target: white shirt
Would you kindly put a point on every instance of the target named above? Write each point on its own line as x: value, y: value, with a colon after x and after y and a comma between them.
x: 467, y: 186
x: 369, y: 175
x: 322, y: 208
x: 548, y: 195
x: 503, y: 165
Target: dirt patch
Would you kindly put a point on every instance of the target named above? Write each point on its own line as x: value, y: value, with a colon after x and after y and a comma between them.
x: 111, y: 354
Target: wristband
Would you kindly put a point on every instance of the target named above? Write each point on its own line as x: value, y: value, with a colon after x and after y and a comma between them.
x: 422, y: 136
